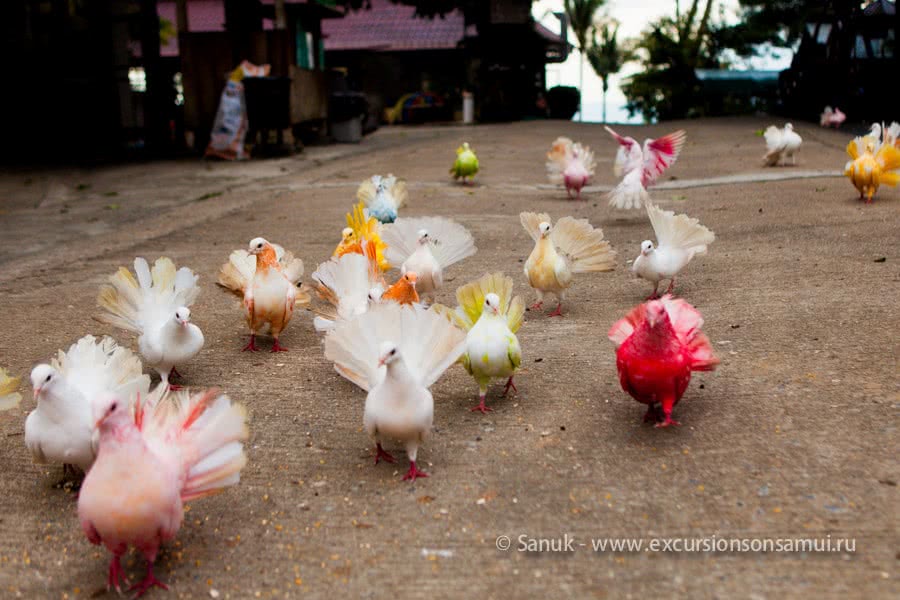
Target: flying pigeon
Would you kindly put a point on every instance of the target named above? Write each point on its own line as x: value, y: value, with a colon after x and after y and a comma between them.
x: 639, y: 168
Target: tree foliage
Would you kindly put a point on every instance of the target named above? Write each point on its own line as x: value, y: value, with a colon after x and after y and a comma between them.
x: 607, y: 56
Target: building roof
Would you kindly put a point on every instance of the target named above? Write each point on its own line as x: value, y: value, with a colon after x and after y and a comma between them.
x: 389, y: 27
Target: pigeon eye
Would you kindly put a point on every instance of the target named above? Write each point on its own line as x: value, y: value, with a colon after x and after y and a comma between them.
x: 393, y: 352
x: 49, y: 377
x: 113, y: 406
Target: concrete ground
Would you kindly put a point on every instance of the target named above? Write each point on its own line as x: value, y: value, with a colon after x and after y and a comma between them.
x: 795, y: 435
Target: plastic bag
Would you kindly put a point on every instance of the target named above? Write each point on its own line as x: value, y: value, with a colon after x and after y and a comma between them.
x: 230, y: 126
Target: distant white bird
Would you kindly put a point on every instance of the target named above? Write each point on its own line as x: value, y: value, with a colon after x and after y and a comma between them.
x: 9, y: 395
x: 679, y: 238
x: 396, y: 353
x: 61, y: 428
x: 427, y: 246
x: 349, y: 284
x: 891, y: 134
x: 570, y: 164
x: 383, y: 196
x: 156, y: 307
x: 640, y: 167
x: 781, y: 144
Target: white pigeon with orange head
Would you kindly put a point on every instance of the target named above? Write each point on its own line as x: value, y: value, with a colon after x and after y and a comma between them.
x: 151, y: 460
x: 572, y: 246
x: 265, y: 277
x: 640, y: 167
x: 395, y: 353
x: 427, y: 246
x: 60, y: 428
x: 571, y: 164
x: 156, y: 306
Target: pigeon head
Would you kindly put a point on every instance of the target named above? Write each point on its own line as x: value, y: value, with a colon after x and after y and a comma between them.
x: 183, y: 315
x: 346, y: 234
x: 43, y: 380
x: 492, y: 303
x: 257, y: 245
x: 374, y: 294
x: 656, y: 313
x: 545, y: 229
x: 411, y: 278
x: 646, y: 247
x: 423, y: 236
x: 109, y: 411
x: 388, y: 353
x: 789, y: 127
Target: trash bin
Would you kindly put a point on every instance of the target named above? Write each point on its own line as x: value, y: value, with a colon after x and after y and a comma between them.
x: 268, y: 102
x: 346, y: 111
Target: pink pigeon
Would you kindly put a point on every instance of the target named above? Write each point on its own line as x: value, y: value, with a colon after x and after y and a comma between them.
x: 151, y: 460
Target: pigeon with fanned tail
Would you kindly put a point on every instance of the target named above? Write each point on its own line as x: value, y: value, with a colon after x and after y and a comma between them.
x: 395, y: 353
x: 265, y: 277
x: 572, y: 246
x: 491, y: 316
x: 9, y: 391
x: 151, y: 460
x: 383, y: 196
x: 640, y: 167
x: 872, y: 164
x: 571, y: 164
x: 679, y: 238
x: 61, y: 429
x: 427, y: 246
x: 156, y: 306
x: 781, y: 144
x: 349, y: 284
x: 361, y: 229
x: 658, y: 345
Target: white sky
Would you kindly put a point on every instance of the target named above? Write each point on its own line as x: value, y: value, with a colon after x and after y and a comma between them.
x: 634, y: 16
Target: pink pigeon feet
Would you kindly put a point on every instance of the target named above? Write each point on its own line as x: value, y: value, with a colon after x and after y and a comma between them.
x: 667, y: 420
x: 115, y: 573
x: 174, y: 373
x: 671, y: 287
x: 413, y: 472
x: 557, y: 312
x: 537, y: 305
x: 276, y: 347
x: 481, y: 407
x: 251, y: 345
x: 381, y: 454
x: 148, y: 582
x: 510, y: 384
x: 174, y: 387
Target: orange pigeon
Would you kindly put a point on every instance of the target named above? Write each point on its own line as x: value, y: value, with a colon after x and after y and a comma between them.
x: 266, y: 277
x: 360, y: 229
x: 404, y: 291
x: 872, y: 164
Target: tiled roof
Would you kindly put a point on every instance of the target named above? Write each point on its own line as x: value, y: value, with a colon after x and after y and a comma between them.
x: 387, y: 26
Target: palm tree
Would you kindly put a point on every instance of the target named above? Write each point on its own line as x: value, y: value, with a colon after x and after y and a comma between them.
x: 606, y: 56
x: 581, y: 19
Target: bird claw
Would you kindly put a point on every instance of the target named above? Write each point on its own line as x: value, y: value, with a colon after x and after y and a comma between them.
x: 510, y: 384
x: 557, y: 312
x: 276, y: 347
x: 143, y: 586
x: 381, y: 454
x: 175, y: 387
x: 413, y: 472
x: 666, y: 422
x: 251, y: 345
x: 481, y: 408
x: 536, y: 306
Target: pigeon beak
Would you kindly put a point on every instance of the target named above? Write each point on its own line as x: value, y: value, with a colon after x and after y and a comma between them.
x: 37, y: 391
x: 381, y: 362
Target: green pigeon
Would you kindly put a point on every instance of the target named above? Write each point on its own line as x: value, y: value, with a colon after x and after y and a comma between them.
x: 466, y: 164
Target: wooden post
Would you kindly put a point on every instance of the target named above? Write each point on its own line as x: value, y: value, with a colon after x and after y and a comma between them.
x: 181, y: 16
x: 280, y: 15
x: 155, y: 123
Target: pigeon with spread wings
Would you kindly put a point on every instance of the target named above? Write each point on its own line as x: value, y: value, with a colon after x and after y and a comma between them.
x: 640, y: 167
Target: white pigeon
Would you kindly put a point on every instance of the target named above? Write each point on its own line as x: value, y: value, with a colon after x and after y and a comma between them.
x: 61, y: 429
x: 640, y: 167
x: 349, y: 284
x: 892, y: 134
x: 427, y: 246
x: 9, y: 395
x: 679, y: 238
x: 156, y: 307
x: 383, y: 196
x: 781, y: 144
x: 396, y: 353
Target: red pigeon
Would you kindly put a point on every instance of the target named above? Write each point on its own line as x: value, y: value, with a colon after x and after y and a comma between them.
x: 659, y: 344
